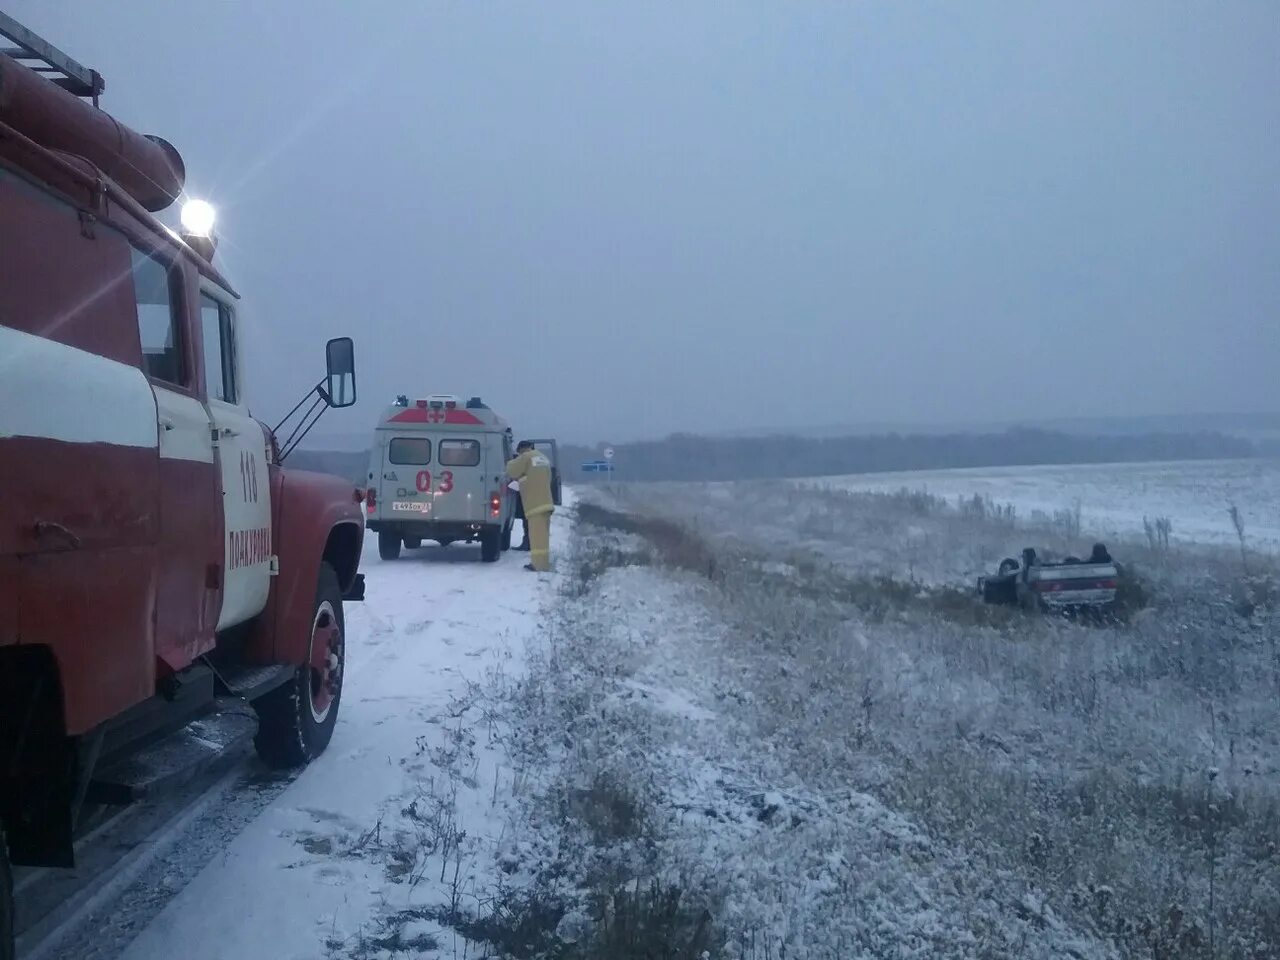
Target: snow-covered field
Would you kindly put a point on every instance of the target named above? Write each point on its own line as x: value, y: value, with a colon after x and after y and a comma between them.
x: 1118, y: 785
x: 1114, y: 498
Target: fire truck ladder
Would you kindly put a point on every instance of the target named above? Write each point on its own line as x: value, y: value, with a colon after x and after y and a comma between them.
x: 43, y: 57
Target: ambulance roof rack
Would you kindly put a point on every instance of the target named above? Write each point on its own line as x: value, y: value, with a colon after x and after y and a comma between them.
x: 43, y: 57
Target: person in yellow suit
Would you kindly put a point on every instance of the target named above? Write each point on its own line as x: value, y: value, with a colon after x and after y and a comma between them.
x: 533, y: 469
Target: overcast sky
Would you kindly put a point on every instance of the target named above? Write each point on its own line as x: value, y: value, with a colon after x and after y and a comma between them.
x: 622, y: 220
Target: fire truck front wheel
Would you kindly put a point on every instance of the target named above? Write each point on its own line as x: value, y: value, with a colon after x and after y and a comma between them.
x: 6, y: 902
x: 295, y: 721
x: 388, y: 545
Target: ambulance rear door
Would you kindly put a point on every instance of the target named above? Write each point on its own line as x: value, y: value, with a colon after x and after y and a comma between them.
x: 552, y: 450
x: 405, y: 483
x: 459, y: 487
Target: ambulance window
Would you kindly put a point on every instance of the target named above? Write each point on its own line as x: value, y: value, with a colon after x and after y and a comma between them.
x: 219, y: 349
x: 412, y: 451
x: 158, y: 325
x: 459, y: 453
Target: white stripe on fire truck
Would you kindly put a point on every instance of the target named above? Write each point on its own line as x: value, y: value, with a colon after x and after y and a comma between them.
x: 56, y: 392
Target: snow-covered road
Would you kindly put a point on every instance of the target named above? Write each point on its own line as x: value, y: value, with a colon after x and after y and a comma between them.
x: 334, y: 854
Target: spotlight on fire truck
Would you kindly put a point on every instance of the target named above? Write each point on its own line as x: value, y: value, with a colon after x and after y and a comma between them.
x: 197, y: 227
x: 197, y: 218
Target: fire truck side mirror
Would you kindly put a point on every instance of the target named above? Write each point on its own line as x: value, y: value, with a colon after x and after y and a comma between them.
x: 340, y: 378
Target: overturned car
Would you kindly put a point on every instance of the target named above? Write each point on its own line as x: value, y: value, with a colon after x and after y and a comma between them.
x: 1068, y: 585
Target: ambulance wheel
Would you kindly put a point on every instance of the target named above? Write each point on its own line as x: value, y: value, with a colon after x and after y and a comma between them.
x: 412, y: 543
x: 490, y: 544
x: 388, y: 545
x: 295, y: 721
x: 7, y: 950
x: 506, y: 535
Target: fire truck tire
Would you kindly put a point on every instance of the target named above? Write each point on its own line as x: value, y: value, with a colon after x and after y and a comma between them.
x: 7, y: 951
x: 490, y: 544
x: 505, y: 543
x: 388, y: 545
x: 295, y: 721
x: 412, y: 543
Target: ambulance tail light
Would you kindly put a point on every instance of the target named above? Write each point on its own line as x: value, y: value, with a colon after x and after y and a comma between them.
x: 371, y: 500
x: 495, y: 505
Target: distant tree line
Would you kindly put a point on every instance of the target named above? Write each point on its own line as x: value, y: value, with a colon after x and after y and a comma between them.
x: 689, y: 457
x: 684, y: 456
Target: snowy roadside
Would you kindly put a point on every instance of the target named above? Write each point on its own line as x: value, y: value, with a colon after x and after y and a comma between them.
x: 398, y: 819
x: 663, y: 801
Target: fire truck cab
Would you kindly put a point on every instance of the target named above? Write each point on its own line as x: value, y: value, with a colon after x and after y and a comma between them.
x: 436, y: 472
x: 154, y: 554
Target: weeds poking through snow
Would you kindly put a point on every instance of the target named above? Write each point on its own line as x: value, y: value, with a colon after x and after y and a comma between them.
x: 1158, y: 531
x: 1237, y: 524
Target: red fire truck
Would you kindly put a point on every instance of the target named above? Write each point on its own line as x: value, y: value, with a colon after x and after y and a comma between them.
x: 155, y: 557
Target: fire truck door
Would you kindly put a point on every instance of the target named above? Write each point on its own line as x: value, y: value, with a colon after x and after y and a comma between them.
x: 242, y: 456
x: 186, y: 584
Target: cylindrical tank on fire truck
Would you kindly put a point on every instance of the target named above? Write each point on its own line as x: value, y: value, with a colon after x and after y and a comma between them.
x: 147, y: 168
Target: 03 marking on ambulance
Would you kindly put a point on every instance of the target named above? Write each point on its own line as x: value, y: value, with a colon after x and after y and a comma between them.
x: 424, y: 481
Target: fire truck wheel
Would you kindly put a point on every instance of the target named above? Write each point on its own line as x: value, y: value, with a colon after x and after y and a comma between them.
x: 412, y: 543
x: 6, y: 902
x: 490, y: 544
x: 388, y: 545
x: 505, y: 543
x: 295, y: 721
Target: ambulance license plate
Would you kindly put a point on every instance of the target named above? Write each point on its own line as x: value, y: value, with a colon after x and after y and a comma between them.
x: 410, y: 506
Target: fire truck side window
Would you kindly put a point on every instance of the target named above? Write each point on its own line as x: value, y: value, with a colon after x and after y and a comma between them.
x: 219, y: 349
x: 410, y: 451
x: 157, y: 321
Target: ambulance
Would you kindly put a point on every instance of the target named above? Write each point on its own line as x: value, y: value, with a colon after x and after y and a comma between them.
x: 437, y: 472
